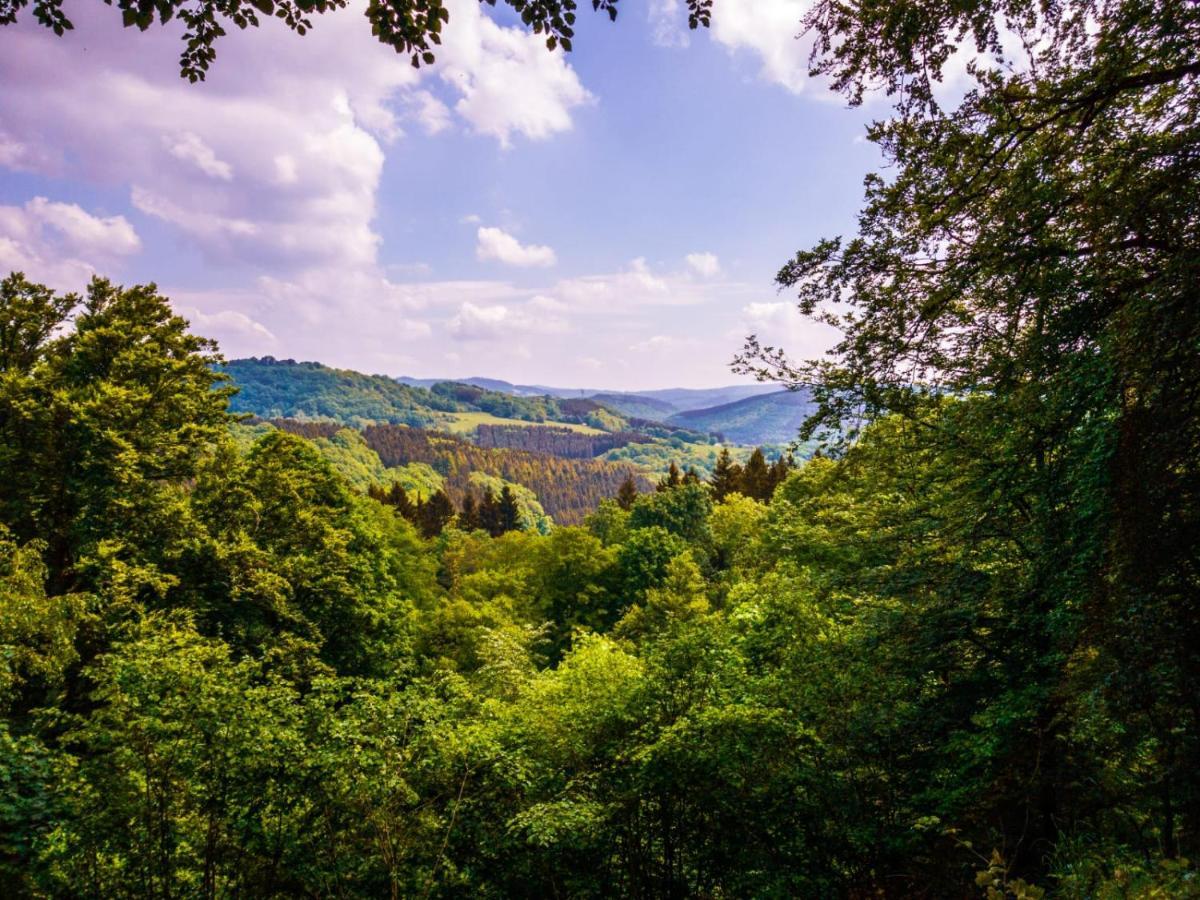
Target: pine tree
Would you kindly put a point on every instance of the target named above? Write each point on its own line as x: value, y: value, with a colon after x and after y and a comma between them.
x: 468, y: 513
x: 398, y: 498
x: 691, y: 476
x: 434, y: 514
x: 673, y: 480
x: 510, y: 511
x: 627, y: 494
x: 756, y: 477
x: 395, y: 497
x: 727, y: 476
x: 489, y: 514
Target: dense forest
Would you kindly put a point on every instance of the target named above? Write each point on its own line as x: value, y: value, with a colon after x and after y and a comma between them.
x: 555, y: 441
x: 567, y: 488
x: 955, y: 653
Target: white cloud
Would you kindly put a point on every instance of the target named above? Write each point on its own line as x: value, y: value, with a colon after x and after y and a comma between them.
x: 433, y: 115
x: 654, y: 344
x: 508, y: 82
x: 275, y: 162
x: 668, y: 23
x: 474, y: 322
x: 479, y: 322
x: 542, y: 303
x: 704, y: 264
x: 227, y: 325
x: 769, y: 29
x: 503, y: 247
x: 62, y: 244
x: 780, y: 324
x: 635, y: 287
x: 191, y: 148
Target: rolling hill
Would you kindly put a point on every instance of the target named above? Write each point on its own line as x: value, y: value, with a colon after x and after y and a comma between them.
x: 765, y: 419
x: 654, y: 404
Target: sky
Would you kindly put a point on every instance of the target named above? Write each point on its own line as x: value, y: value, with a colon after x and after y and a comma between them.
x: 609, y: 218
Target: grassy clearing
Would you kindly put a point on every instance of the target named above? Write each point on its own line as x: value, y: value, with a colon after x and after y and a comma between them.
x: 466, y: 422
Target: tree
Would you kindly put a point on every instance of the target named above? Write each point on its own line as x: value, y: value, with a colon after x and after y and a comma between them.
x: 673, y: 478
x: 627, y: 493
x: 778, y: 473
x: 469, y: 518
x: 101, y: 428
x: 683, y: 511
x: 756, y: 477
x: 727, y: 476
x: 1032, y: 249
x: 411, y: 27
x: 434, y: 514
x: 509, y: 512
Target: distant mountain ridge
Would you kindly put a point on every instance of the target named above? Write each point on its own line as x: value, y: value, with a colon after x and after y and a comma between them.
x: 664, y: 400
x: 747, y: 415
x: 766, y: 419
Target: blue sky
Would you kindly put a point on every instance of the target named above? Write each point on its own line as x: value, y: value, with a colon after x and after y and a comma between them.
x: 611, y: 218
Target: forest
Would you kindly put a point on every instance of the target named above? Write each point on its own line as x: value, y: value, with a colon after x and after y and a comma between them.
x: 954, y: 652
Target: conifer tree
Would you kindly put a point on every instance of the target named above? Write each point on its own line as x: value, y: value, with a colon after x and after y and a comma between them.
x: 691, y: 476
x: 489, y: 514
x: 673, y: 480
x: 434, y: 514
x: 756, y: 477
x: 727, y: 476
x: 627, y: 493
x: 510, y: 511
x: 468, y: 513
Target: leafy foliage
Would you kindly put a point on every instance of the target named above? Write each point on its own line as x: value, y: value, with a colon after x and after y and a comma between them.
x: 954, y: 655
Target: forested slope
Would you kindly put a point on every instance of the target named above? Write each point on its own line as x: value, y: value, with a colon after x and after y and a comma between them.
x: 774, y: 418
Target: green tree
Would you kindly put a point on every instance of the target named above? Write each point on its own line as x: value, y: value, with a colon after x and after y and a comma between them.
x: 509, y: 512
x: 673, y: 478
x: 1031, y: 249
x: 627, y: 493
x: 756, y: 481
x: 727, y: 476
x: 434, y: 514
x: 683, y: 511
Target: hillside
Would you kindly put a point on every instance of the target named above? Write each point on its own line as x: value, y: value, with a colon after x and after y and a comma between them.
x: 637, y: 406
x: 654, y: 404
x: 687, y: 399
x: 425, y: 461
x: 271, y: 388
x: 632, y: 428
x: 768, y: 419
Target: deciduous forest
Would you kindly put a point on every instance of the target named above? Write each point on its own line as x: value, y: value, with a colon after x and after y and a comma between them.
x: 950, y: 650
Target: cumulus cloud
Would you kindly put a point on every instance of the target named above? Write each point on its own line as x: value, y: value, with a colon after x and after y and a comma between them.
x: 272, y: 166
x: 283, y: 147
x: 499, y: 245
x: 474, y: 322
x: 769, y: 29
x: 508, y: 82
x: 636, y: 286
x: 704, y: 264
x: 62, y: 244
x: 228, y: 324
